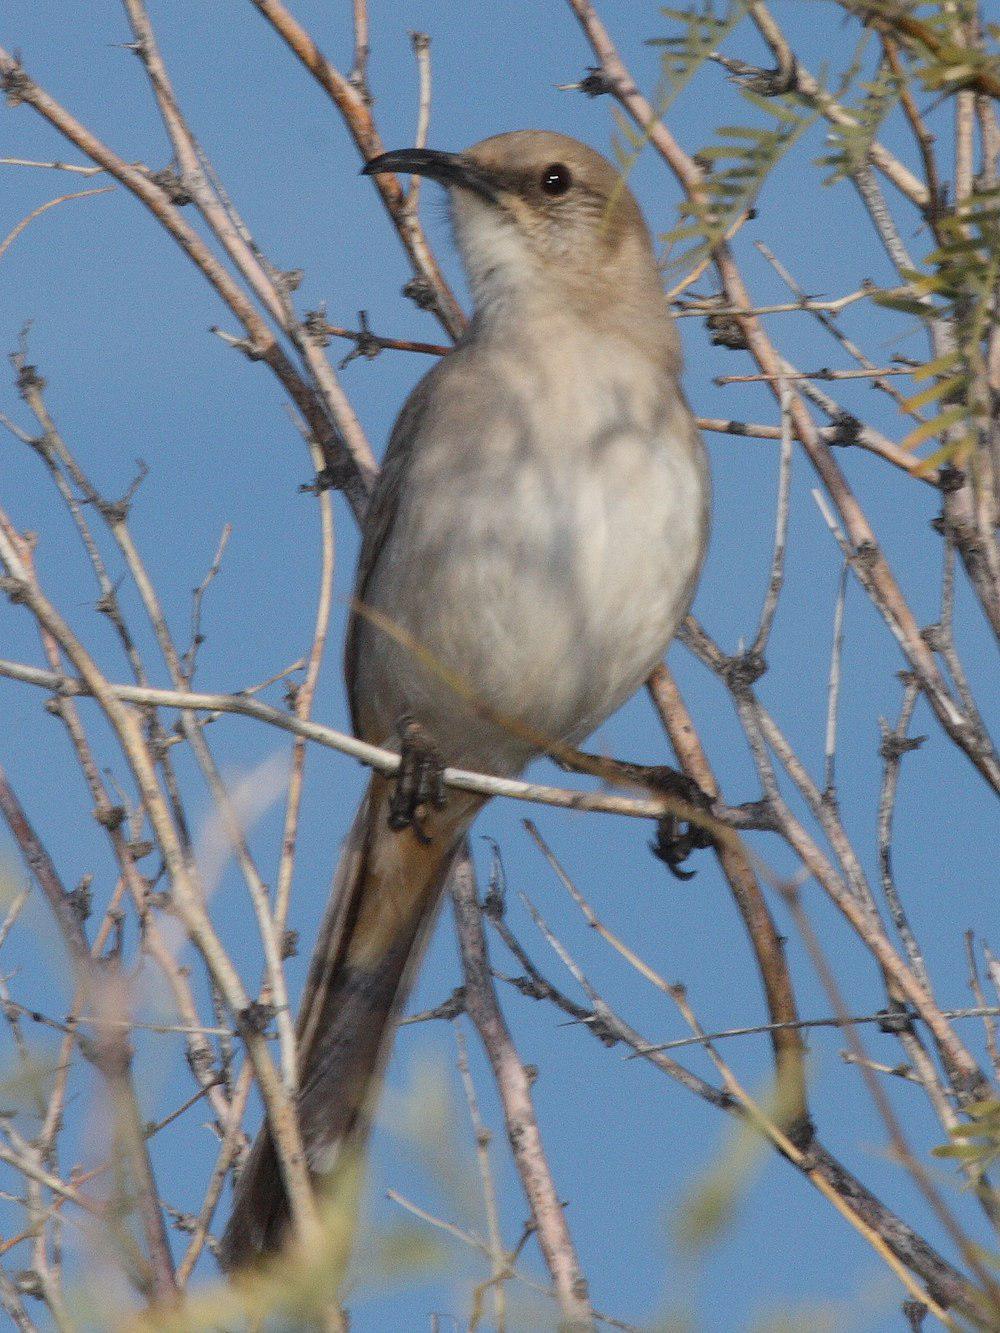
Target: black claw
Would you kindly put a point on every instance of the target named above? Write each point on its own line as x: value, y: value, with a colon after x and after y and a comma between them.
x: 419, y: 787
x: 676, y: 837
x: 674, y: 843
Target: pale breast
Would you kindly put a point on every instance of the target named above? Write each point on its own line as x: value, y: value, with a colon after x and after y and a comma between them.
x: 534, y: 591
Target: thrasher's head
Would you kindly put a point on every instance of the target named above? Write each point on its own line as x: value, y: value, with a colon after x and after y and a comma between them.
x: 535, y: 211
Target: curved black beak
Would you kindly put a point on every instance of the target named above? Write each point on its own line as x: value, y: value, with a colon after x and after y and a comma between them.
x: 451, y: 169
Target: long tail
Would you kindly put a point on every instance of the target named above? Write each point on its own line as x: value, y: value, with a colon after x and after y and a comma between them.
x: 387, y: 888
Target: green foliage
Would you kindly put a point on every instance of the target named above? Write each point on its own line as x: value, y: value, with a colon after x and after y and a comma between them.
x: 683, y: 55
x: 736, y: 166
x: 850, y: 144
x: 977, y: 1140
x: 933, y: 33
x: 955, y: 285
x: 714, y: 1201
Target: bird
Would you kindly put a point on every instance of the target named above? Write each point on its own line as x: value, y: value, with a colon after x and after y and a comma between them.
x: 533, y: 540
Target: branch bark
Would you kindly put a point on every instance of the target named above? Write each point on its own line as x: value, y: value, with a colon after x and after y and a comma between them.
x: 514, y: 1088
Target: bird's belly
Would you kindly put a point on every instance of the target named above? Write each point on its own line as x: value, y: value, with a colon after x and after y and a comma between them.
x: 535, y: 610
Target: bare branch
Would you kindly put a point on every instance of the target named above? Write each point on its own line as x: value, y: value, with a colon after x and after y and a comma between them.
x: 514, y: 1088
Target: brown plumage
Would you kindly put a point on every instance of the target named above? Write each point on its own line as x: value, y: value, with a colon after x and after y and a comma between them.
x: 368, y: 950
x: 533, y: 541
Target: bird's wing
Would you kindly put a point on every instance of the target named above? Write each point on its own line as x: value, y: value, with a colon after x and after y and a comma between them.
x: 445, y: 388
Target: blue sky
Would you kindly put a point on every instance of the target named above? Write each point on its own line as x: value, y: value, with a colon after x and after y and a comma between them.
x: 119, y: 328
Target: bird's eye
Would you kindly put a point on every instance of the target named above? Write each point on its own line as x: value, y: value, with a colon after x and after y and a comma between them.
x: 556, y: 179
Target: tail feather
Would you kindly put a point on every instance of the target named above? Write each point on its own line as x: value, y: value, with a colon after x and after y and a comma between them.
x: 386, y: 891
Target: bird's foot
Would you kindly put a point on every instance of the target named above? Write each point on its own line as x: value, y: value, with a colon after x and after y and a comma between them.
x: 418, y: 788
x: 678, y: 835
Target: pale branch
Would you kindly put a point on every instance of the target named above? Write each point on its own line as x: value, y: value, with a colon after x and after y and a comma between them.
x: 850, y: 891
x: 272, y: 288
x: 373, y: 756
x: 824, y: 374
x: 698, y: 307
x: 896, y: 742
x: 302, y: 698
x: 897, y: 1138
x: 354, y: 105
x: 777, y: 576
x: 16, y: 231
x: 345, y: 448
x: 500, y: 1262
x: 233, y: 1141
x: 886, y: 1019
x: 807, y: 87
x: 898, y: 1245
x: 877, y: 578
x: 110, y: 1052
x: 421, y: 44
x: 53, y: 166
x: 976, y: 986
x: 187, y: 894
x: 849, y: 432
x: 737, y: 865
x: 367, y: 343
x: 826, y: 321
x: 109, y: 815
x: 833, y: 690
x: 362, y: 49
x: 514, y: 1088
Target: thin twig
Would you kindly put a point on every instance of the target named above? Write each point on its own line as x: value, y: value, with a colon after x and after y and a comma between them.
x: 833, y: 689
x: 477, y: 1243
x: 829, y: 324
x: 369, y: 344
x: 345, y: 443
x: 700, y: 307
x: 12, y: 235
x: 53, y: 166
x: 303, y: 697
x: 354, y: 106
x: 815, y: 1164
x: 499, y: 1259
x: 988, y: 1016
x: 816, y: 94
x: 897, y: 1138
x: 895, y: 743
x: 777, y: 576
x: 111, y: 1057
x: 231, y: 1143
x: 187, y: 895
x: 879, y: 581
x: 421, y: 44
x: 824, y: 374
x: 198, y: 597
x: 383, y: 761
x: 883, y: 1019
x: 514, y: 1088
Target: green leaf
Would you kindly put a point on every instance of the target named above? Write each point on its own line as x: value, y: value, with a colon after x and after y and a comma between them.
x: 937, y: 426
x: 932, y: 394
x: 907, y: 305
x: 938, y: 366
x: 965, y: 1152
x: 953, y: 452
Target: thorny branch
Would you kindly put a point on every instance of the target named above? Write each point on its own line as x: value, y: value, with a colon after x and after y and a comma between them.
x: 261, y: 300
